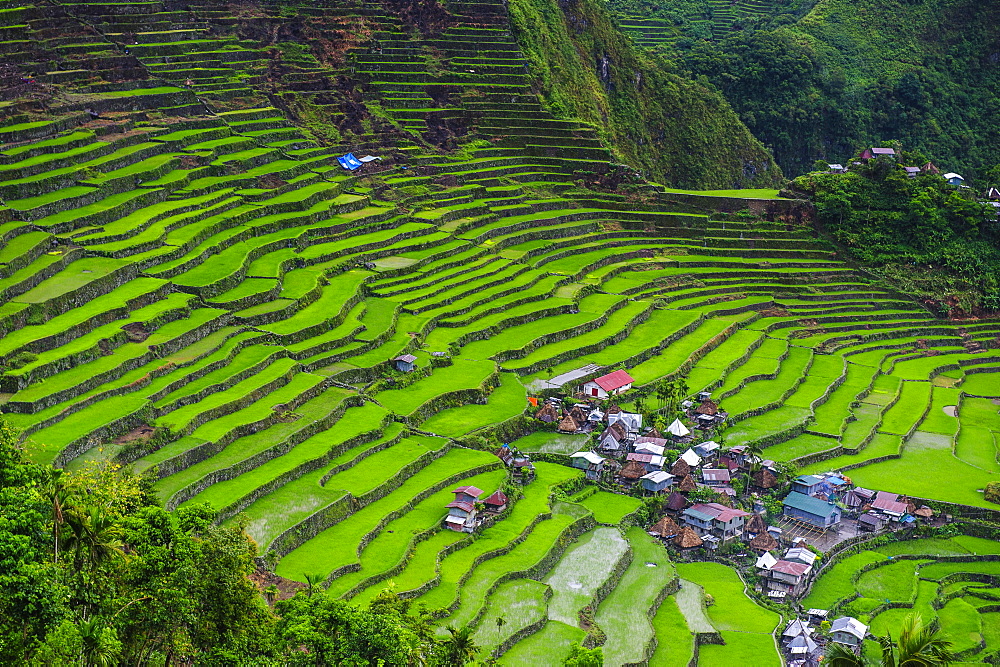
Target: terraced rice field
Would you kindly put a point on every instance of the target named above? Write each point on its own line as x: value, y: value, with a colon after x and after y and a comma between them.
x: 190, y: 284
x: 942, y: 578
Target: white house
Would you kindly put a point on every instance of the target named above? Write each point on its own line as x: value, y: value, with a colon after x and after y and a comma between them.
x: 589, y: 461
x: 630, y: 420
x: 954, y: 179
x: 689, y: 457
x: 849, y: 631
x: 678, y: 430
x: 608, y: 385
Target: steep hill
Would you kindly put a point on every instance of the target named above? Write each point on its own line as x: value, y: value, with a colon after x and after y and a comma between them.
x: 851, y: 73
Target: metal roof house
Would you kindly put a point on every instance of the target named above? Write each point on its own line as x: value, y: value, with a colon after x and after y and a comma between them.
x: 608, y: 385
x: 811, y: 510
x: 849, y: 631
x: 405, y: 362
x: 589, y: 461
x: 657, y: 481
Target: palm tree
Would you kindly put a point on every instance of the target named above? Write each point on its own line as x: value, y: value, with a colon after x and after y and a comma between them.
x: 459, y: 647
x: 93, y: 535
x: 313, y: 582
x: 97, y: 650
x: 918, y: 646
x: 61, y: 497
x: 501, y: 621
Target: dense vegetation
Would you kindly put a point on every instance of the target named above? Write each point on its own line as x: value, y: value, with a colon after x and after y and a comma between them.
x: 678, y: 131
x: 936, y: 240
x: 852, y: 72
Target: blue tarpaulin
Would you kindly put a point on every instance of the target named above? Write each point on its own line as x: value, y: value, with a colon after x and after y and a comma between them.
x: 349, y: 162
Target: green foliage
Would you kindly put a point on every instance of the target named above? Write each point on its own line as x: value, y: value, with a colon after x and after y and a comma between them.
x: 992, y: 492
x: 582, y: 657
x: 888, y: 220
x: 851, y: 72
x: 678, y: 131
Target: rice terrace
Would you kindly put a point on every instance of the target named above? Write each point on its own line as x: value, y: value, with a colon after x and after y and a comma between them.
x: 349, y: 298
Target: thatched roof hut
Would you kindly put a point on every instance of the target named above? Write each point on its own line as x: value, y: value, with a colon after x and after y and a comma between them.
x: 763, y: 542
x: 687, y: 484
x: 665, y: 527
x: 687, y: 539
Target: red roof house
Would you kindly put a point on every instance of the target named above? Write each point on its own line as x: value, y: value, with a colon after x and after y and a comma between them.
x: 608, y: 385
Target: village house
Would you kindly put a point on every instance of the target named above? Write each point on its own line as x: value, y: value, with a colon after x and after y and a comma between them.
x: 614, y: 438
x: 608, y: 385
x: 954, y: 179
x: 522, y: 469
x: 708, y: 414
x: 650, y: 461
x: 404, y: 362
x: 715, y: 520
x: 858, y: 497
x: 687, y: 539
x: 807, y: 484
x: 872, y: 522
x: 816, y: 512
x: 592, y: 463
x: 631, y: 472
x: 657, y: 481
x: 680, y: 468
x: 678, y: 431
x: 567, y: 424
x: 764, y: 479
x: 676, y: 502
x: 801, y: 555
x: 836, y: 168
x: 496, y: 503
x: 505, y: 455
x: 763, y: 542
x: 875, y: 152
x: 691, y: 458
x: 548, y: 414
x: 632, y: 422
x: 930, y: 168
x: 766, y: 561
x: 462, y: 514
x: 707, y: 450
x: 648, y: 447
x: 786, y: 578
x: 911, y: 172
x: 993, y: 194
x: 665, y: 529
x: 715, y: 477
x: 848, y: 631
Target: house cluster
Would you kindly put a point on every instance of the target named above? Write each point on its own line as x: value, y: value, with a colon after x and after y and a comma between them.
x: 711, y: 525
x: 820, y: 501
x: 789, y: 576
x: 522, y: 470
x: 804, y: 646
x: 581, y: 418
x: 466, y: 512
x: 875, y: 152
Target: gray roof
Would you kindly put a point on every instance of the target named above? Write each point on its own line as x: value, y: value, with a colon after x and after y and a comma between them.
x: 810, y: 505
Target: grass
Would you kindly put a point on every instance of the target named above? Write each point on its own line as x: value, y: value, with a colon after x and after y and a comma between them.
x: 896, y: 581
x: 336, y: 546
x: 519, y: 603
x: 674, y: 641
x: 732, y: 610
x: 581, y: 571
x: 550, y: 645
x: 610, y: 508
x: 548, y: 441
x: 622, y: 615
x: 836, y: 582
x: 462, y: 374
x: 507, y: 400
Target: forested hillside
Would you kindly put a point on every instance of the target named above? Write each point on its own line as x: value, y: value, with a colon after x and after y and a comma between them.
x: 854, y: 72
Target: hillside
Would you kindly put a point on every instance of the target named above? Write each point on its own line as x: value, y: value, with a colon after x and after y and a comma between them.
x: 848, y: 74
x: 262, y: 372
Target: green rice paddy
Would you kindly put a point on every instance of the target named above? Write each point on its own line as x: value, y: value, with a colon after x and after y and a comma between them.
x: 194, y: 267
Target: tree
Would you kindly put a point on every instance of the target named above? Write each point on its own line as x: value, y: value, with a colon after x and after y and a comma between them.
x: 501, y: 621
x: 992, y: 492
x: 459, y: 648
x: 582, y: 657
x: 313, y: 582
x: 918, y: 646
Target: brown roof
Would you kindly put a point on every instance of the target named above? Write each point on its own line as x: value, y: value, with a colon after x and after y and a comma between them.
x: 548, y: 414
x: 765, y: 479
x: 788, y: 567
x: 578, y: 415
x: 665, y: 527
x: 727, y: 461
x: 925, y: 512
x: 681, y: 468
x: 763, y: 542
x: 687, y: 538
x: 707, y: 407
x: 613, y: 410
x: 633, y: 470
x: 498, y: 498
x: 653, y: 433
x: 676, y: 501
x: 687, y: 484
x: 568, y: 424
x: 756, y: 524
x: 617, y: 430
